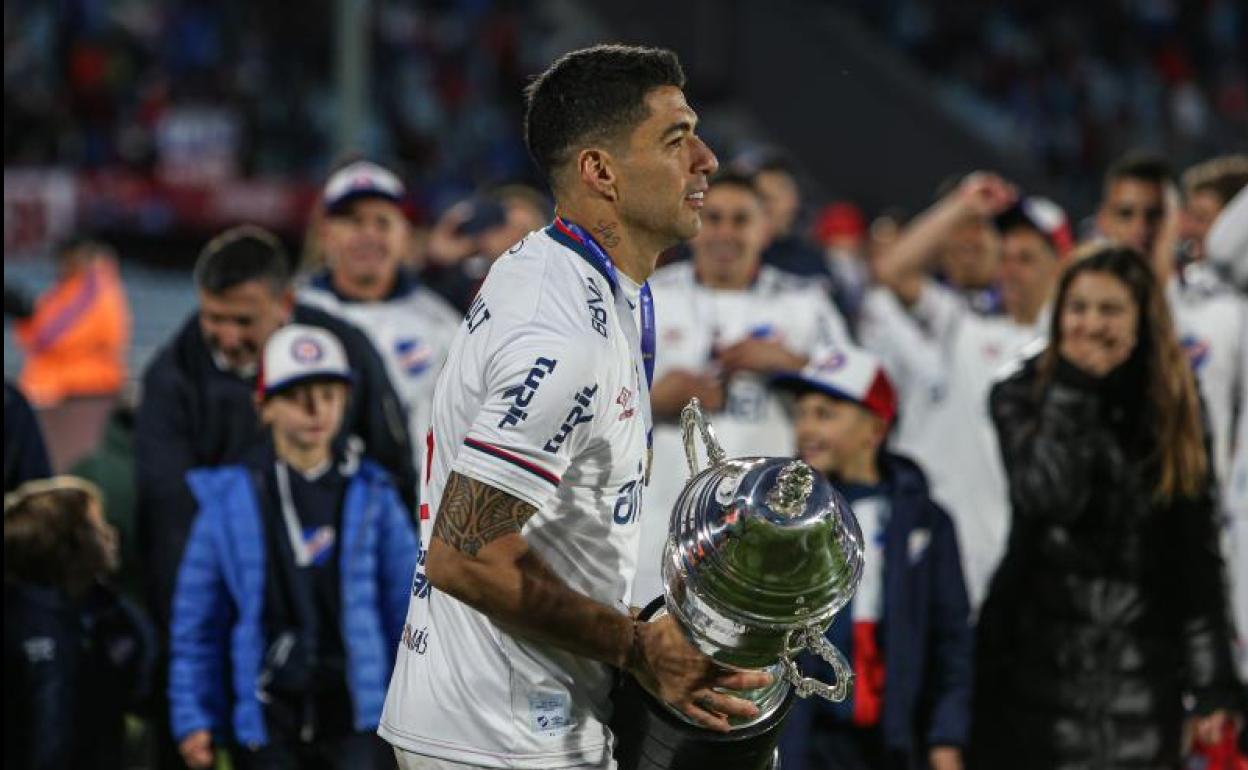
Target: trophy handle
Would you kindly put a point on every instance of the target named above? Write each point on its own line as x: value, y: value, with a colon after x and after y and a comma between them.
x: 811, y: 639
x: 690, y: 417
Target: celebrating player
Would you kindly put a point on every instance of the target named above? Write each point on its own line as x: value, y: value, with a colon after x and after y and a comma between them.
x: 538, y: 448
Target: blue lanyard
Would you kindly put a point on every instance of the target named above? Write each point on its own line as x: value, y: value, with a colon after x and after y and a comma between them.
x: 607, y: 268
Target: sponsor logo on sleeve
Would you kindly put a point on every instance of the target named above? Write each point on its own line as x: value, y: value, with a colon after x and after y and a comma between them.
x: 416, y: 639
x: 477, y: 314
x: 420, y: 582
x: 521, y: 395
x: 578, y: 414
x: 597, y: 305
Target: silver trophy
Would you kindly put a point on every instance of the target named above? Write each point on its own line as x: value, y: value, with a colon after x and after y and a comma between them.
x: 761, y: 553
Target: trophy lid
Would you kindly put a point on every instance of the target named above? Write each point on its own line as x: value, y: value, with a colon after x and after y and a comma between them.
x: 768, y: 541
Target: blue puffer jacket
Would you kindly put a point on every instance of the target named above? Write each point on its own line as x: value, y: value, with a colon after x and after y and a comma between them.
x: 218, y: 629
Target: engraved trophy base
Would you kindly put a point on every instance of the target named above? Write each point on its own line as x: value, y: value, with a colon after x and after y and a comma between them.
x: 649, y: 735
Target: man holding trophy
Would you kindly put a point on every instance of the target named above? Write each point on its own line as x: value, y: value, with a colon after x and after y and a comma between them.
x: 518, y: 627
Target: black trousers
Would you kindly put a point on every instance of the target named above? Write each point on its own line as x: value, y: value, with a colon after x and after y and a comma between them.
x: 362, y: 751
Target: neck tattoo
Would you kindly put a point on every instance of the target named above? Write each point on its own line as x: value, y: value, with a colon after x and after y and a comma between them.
x: 606, y: 233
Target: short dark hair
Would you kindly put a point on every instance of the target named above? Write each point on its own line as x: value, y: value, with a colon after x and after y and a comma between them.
x: 1142, y: 166
x: 50, y: 539
x: 1223, y: 176
x: 593, y: 94
x: 734, y: 178
x: 242, y: 254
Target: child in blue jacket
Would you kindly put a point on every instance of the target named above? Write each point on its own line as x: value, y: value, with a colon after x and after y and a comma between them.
x: 292, y: 593
x: 906, y: 632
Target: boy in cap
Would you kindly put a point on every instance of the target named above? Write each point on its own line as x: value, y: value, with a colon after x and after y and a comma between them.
x: 907, y: 630
x: 293, y: 587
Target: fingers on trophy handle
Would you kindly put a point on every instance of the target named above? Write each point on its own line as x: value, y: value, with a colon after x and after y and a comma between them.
x: 811, y: 639
x: 691, y: 416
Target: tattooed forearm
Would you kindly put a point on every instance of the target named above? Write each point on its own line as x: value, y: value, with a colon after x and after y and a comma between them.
x: 473, y: 514
x: 606, y: 233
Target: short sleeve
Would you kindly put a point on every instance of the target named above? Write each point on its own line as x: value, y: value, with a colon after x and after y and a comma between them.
x: 911, y: 358
x: 540, y: 391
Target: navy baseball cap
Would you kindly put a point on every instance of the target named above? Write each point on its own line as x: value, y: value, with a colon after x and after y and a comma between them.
x: 361, y: 179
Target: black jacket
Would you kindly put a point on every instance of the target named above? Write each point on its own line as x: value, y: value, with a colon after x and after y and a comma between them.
x: 1108, y: 606
x: 25, y: 456
x: 194, y: 415
x: 71, y: 671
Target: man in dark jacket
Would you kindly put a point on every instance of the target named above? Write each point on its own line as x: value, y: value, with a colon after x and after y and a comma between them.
x: 906, y: 632
x: 197, y: 397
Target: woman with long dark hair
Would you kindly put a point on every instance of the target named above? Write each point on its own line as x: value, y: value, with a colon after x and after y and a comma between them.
x: 1109, y: 607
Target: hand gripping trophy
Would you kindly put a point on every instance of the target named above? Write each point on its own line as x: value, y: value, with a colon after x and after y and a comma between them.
x: 761, y: 553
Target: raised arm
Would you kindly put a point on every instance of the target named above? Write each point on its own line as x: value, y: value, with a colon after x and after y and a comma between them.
x: 903, y: 268
x: 478, y: 556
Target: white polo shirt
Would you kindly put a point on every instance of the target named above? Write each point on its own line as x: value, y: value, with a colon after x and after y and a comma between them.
x: 540, y: 397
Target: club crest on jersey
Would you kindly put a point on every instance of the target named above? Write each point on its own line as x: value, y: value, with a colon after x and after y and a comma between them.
x: 477, y: 314
x: 576, y: 416
x: 414, y: 354
x: 625, y: 400
x: 1197, y: 350
x: 521, y: 395
x: 597, y: 305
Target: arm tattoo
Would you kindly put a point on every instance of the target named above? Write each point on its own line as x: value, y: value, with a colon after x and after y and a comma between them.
x: 473, y: 514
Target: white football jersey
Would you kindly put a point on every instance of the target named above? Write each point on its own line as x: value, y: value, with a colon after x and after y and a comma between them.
x: 693, y: 321
x: 412, y: 329
x: 1212, y: 324
x: 540, y: 397
x: 943, y: 359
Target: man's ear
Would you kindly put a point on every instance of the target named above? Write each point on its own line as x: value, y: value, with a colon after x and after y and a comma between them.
x: 288, y: 303
x: 596, y: 169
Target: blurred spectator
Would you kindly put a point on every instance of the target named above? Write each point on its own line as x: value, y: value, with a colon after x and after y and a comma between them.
x: 197, y: 399
x: 292, y: 594
x: 77, y: 656
x: 363, y: 234
x: 725, y: 324
x: 955, y: 240
x: 110, y: 466
x: 1109, y: 607
x: 906, y: 632
x: 25, y: 457
x: 1211, y: 321
x: 472, y: 234
x: 1227, y: 242
x: 943, y: 356
x: 76, y: 342
x: 1207, y: 188
x: 841, y: 230
x: 1134, y: 209
x: 775, y: 176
